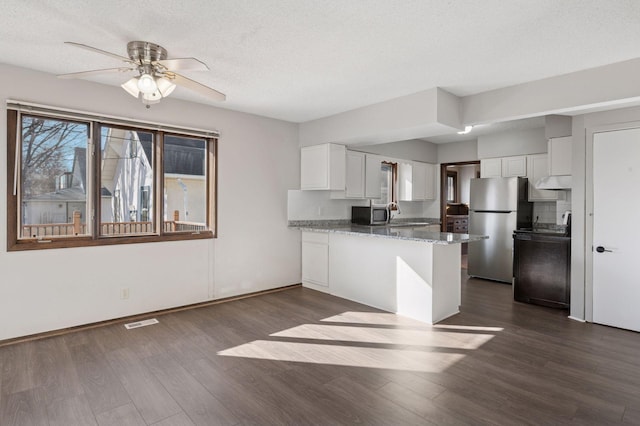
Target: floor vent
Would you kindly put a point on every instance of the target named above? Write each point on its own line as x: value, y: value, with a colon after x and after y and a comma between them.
x: 142, y: 323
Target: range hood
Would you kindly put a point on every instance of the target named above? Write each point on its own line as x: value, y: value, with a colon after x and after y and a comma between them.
x: 554, y: 182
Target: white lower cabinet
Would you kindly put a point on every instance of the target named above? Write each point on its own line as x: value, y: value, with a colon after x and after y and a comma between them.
x: 315, y: 260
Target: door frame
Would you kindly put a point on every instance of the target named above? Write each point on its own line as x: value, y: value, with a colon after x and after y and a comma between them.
x: 443, y: 190
x: 588, y: 217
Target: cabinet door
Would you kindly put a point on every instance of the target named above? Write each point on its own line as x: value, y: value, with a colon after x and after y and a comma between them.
x: 419, y: 181
x: 514, y: 166
x: 315, y: 259
x: 322, y: 167
x: 314, y: 167
x: 491, y: 167
x: 315, y: 263
x: 373, y: 176
x: 430, y: 182
x: 538, y: 168
x: 405, y: 181
x: 560, y: 156
x: 355, y: 175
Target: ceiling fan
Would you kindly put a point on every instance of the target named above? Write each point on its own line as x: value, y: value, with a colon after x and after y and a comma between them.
x: 156, y: 77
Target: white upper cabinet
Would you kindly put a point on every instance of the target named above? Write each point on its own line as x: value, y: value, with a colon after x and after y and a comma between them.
x: 430, y: 181
x: 514, y: 166
x: 373, y: 176
x: 416, y: 181
x: 405, y: 181
x: 355, y: 174
x: 323, y: 167
x: 560, y: 156
x: 504, y: 167
x: 538, y: 168
x: 419, y: 181
x: 491, y: 167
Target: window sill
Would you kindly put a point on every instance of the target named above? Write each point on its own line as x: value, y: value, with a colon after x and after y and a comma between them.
x: 32, y: 244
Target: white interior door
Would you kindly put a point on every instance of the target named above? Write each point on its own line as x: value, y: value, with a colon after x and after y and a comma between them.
x: 616, y: 182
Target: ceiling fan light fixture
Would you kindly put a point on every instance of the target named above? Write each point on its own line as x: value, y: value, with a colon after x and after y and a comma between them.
x: 165, y: 86
x: 131, y: 87
x: 156, y: 77
x: 147, y: 84
x: 151, y: 98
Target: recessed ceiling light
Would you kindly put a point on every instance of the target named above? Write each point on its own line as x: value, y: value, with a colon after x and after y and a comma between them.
x: 466, y: 130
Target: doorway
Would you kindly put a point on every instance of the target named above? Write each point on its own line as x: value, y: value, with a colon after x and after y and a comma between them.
x: 615, y: 178
x: 455, y: 182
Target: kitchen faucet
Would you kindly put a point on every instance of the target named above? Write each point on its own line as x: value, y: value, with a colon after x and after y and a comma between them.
x: 388, y: 206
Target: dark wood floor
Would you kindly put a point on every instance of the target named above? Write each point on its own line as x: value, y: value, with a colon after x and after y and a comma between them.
x: 302, y: 357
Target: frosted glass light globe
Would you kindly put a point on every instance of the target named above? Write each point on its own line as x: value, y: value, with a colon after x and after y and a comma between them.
x: 147, y: 84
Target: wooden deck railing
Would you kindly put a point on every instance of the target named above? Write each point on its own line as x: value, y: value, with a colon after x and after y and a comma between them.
x: 106, y: 228
x: 53, y: 230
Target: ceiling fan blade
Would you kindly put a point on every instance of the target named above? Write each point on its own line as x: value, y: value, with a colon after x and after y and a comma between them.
x: 185, y: 64
x: 103, y: 52
x: 200, y: 88
x: 83, y: 74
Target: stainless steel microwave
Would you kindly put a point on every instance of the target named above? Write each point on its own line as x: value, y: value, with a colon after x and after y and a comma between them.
x: 370, y: 215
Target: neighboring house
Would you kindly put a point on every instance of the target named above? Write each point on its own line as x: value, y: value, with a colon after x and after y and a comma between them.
x: 184, y: 180
x: 127, y: 179
x: 127, y: 174
x: 69, y: 196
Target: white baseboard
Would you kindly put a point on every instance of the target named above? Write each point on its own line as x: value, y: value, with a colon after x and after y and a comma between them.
x: 576, y: 319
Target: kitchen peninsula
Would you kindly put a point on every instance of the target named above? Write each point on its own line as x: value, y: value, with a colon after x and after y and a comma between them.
x: 411, y: 271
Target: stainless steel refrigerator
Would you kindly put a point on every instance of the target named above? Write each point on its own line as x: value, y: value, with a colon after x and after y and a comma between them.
x: 497, y: 207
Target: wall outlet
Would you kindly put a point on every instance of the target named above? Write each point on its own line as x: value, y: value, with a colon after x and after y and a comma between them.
x: 124, y: 293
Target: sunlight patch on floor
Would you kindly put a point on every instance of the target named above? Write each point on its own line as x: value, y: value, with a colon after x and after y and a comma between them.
x: 391, y: 336
x: 466, y: 327
x: 376, y: 318
x: 396, y: 359
x: 352, y: 339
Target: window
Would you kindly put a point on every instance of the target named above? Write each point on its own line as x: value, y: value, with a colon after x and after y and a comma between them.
x: 389, y: 191
x: 185, y: 193
x: 126, y: 182
x: 53, y: 177
x: 452, y: 186
x: 75, y: 181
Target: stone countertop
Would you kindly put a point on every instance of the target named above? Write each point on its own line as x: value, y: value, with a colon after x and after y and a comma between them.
x: 418, y: 233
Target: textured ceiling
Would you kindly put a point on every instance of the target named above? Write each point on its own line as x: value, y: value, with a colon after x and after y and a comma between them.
x: 299, y: 60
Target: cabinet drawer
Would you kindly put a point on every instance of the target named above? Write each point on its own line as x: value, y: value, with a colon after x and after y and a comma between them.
x: 462, y: 229
x: 315, y: 237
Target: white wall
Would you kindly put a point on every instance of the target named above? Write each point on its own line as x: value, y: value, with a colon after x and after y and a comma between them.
x: 318, y: 205
x: 456, y: 152
x: 519, y: 142
x: 432, y: 112
x: 415, y: 150
x: 258, y: 162
x: 579, y: 244
x: 601, y: 87
x: 465, y: 174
